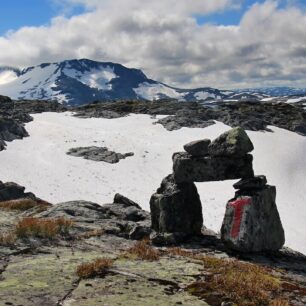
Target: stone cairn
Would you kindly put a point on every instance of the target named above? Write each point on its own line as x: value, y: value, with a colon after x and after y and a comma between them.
x: 251, y: 222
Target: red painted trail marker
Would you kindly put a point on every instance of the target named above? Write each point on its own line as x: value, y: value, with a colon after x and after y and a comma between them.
x: 238, y: 206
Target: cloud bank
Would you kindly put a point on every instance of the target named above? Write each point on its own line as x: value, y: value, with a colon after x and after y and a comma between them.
x: 267, y: 47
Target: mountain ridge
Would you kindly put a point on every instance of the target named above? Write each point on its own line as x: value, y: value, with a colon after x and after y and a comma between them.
x: 82, y: 81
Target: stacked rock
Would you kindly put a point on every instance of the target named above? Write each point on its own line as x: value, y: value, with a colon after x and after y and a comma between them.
x: 176, y: 209
x: 251, y: 222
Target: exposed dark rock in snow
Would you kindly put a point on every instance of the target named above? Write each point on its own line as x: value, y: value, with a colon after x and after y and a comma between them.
x: 198, y: 147
x: 248, y: 115
x: 98, y: 154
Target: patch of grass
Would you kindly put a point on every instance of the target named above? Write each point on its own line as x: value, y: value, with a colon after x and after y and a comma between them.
x: 179, y: 252
x: 93, y: 269
x: 7, y: 239
x: 24, y: 204
x: 242, y: 283
x: 42, y: 228
x: 279, y: 302
x: 143, y: 250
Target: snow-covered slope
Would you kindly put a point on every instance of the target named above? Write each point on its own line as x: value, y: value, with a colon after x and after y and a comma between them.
x: 31, y: 162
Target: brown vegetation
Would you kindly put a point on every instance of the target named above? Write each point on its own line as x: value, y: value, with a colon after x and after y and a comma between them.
x: 24, y: 204
x: 7, y: 239
x: 93, y: 269
x: 143, y: 250
x: 42, y: 228
x: 242, y: 283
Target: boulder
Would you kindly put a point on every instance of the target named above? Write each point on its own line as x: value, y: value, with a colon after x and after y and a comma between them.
x: 204, y: 169
x: 234, y: 142
x: 176, y: 208
x: 252, y: 223
x: 198, y: 147
x: 256, y: 182
x: 12, y: 191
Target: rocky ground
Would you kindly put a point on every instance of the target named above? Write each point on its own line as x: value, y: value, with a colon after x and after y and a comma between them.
x: 41, y: 267
x: 249, y: 115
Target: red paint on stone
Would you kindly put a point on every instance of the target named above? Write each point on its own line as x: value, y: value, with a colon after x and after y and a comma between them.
x: 238, y: 206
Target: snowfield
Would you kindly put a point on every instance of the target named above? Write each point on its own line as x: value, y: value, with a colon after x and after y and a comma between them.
x: 40, y: 163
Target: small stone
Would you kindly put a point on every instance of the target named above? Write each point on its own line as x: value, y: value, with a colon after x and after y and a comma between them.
x: 256, y: 182
x: 197, y: 147
x: 234, y: 142
x: 120, y: 199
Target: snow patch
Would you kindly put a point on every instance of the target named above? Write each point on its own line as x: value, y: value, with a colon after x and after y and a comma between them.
x: 151, y: 91
x: 40, y: 163
x: 7, y: 76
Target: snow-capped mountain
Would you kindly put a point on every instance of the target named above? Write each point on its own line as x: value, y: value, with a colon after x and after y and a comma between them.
x: 83, y: 81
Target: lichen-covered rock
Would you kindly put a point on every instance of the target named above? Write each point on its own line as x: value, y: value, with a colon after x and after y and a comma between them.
x: 256, y: 182
x: 234, y: 142
x: 204, y: 169
x: 197, y: 147
x: 176, y: 208
x: 252, y: 223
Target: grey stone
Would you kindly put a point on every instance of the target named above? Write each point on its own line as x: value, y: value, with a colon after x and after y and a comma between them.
x: 204, y: 169
x: 140, y: 231
x: 176, y: 208
x: 98, y: 154
x: 234, y: 142
x: 256, y: 182
x: 198, y: 147
x: 168, y: 239
x: 252, y: 223
x: 12, y: 191
x: 120, y: 199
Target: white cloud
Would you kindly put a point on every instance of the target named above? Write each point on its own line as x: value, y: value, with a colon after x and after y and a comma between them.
x: 163, y: 38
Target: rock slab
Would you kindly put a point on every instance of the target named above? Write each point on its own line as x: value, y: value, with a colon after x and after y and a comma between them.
x: 187, y: 168
x: 197, y: 147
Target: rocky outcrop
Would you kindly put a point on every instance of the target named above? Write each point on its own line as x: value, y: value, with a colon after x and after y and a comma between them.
x: 254, y: 116
x: 252, y: 222
x: 12, y: 191
x: 176, y: 209
x: 98, y: 154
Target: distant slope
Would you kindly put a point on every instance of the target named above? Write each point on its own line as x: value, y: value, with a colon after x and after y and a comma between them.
x: 77, y: 82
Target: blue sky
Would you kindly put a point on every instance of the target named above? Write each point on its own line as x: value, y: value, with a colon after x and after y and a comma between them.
x: 159, y: 37
x: 15, y: 14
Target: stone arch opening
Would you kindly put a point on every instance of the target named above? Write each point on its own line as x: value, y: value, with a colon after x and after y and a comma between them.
x: 251, y: 222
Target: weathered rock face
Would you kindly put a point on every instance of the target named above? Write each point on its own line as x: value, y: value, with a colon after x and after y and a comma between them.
x: 176, y: 208
x: 204, y: 169
x: 13, y: 191
x: 198, y: 147
x: 98, y: 154
x: 252, y: 223
x: 234, y: 142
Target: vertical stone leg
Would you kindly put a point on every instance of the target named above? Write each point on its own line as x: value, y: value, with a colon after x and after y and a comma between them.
x: 252, y: 223
x: 176, y: 211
